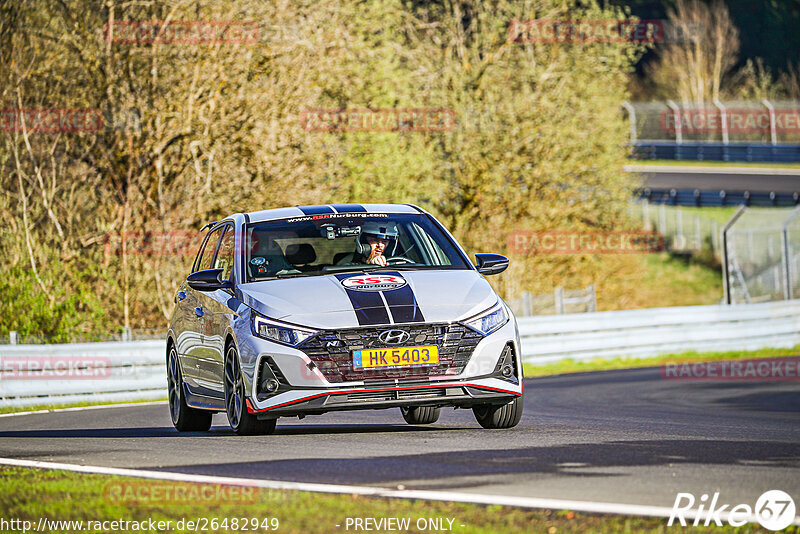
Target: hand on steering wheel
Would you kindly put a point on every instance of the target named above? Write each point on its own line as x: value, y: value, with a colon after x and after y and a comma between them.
x: 378, y: 260
x: 394, y: 260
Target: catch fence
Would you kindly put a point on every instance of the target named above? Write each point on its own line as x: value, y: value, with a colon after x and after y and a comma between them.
x: 761, y: 249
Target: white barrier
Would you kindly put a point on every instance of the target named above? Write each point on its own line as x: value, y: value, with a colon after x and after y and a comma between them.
x: 136, y: 370
x: 82, y: 372
x: 655, y: 331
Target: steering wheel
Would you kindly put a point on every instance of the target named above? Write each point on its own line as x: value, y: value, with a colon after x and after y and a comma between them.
x: 395, y: 260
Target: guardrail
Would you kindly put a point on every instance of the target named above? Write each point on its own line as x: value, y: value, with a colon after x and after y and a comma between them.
x: 99, y: 372
x: 82, y: 372
x: 655, y: 331
x: 717, y: 197
x: 701, y: 151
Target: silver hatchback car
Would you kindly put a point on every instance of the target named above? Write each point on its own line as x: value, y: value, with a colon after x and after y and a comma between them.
x: 306, y: 310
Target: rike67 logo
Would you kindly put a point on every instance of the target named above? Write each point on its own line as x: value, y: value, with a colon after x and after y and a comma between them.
x: 773, y: 510
x: 374, y: 282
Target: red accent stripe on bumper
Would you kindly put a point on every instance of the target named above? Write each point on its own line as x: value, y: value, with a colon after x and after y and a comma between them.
x: 345, y: 392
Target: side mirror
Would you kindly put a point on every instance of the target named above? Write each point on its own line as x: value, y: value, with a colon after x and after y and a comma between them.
x: 208, y: 280
x: 491, y: 263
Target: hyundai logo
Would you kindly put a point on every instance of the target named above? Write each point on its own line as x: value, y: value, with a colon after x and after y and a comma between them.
x: 394, y: 337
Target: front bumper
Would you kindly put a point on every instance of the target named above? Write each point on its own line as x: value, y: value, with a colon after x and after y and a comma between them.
x: 305, y: 388
x: 460, y: 394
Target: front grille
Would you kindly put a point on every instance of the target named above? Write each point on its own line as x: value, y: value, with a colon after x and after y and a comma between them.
x: 402, y: 394
x: 331, y: 351
x: 421, y: 393
x: 371, y: 396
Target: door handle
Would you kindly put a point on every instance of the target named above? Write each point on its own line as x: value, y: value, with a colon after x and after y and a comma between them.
x: 180, y: 296
x: 199, y: 311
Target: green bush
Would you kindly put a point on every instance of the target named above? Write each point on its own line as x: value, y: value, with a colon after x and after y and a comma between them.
x: 59, y: 315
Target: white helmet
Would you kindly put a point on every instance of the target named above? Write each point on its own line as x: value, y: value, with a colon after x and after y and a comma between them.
x: 378, y: 229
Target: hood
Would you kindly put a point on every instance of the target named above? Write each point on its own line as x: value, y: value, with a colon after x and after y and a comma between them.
x: 377, y: 298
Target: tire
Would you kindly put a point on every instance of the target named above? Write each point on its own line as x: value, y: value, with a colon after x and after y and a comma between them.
x: 185, y: 418
x: 499, y: 415
x: 242, y: 422
x: 421, y: 415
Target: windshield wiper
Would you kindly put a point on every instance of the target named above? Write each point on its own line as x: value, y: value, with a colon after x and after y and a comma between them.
x: 355, y: 268
x: 277, y: 276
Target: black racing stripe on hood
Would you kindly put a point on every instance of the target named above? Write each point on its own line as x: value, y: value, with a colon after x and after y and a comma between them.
x: 349, y: 208
x: 315, y: 210
x: 403, y: 303
x: 368, y: 305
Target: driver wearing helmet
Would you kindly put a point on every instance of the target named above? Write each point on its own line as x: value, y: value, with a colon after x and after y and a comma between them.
x: 377, y: 238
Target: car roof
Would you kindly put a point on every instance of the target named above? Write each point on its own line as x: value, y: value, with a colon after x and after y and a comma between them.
x: 300, y: 211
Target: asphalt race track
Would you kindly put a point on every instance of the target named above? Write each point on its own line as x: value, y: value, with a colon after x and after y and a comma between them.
x: 625, y: 437
x: 752, y: 179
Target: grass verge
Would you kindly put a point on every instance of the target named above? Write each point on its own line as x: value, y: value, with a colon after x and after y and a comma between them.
x: 659, y: 280
x: 31, y: 494
x: 599, y: 364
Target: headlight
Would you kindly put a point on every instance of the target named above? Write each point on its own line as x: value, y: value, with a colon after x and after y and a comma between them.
x: 490, y: 320
x: 280, y: 332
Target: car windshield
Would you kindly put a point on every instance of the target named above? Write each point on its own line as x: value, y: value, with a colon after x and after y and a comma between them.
x: 339, y: 242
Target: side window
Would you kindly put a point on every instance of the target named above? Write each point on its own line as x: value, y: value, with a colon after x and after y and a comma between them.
x: 431, y: 252
x: 224, y: 259
x: 207, y: 254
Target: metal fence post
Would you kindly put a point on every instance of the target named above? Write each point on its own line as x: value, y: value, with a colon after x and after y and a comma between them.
x: 724, y: 117
x: 678, y: 126
x: 527, y: 303
x: 559, y: 294
x: 698, y: 238
x: 12, y: 337
x: 591, y: 305
x: 680, y: 240
x: 126, y: 333
x: 726, y: 281
x: 773, y: 130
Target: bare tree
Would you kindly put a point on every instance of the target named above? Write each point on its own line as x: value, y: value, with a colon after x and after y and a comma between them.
x: 790, y: 81
x: 704, y: 50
